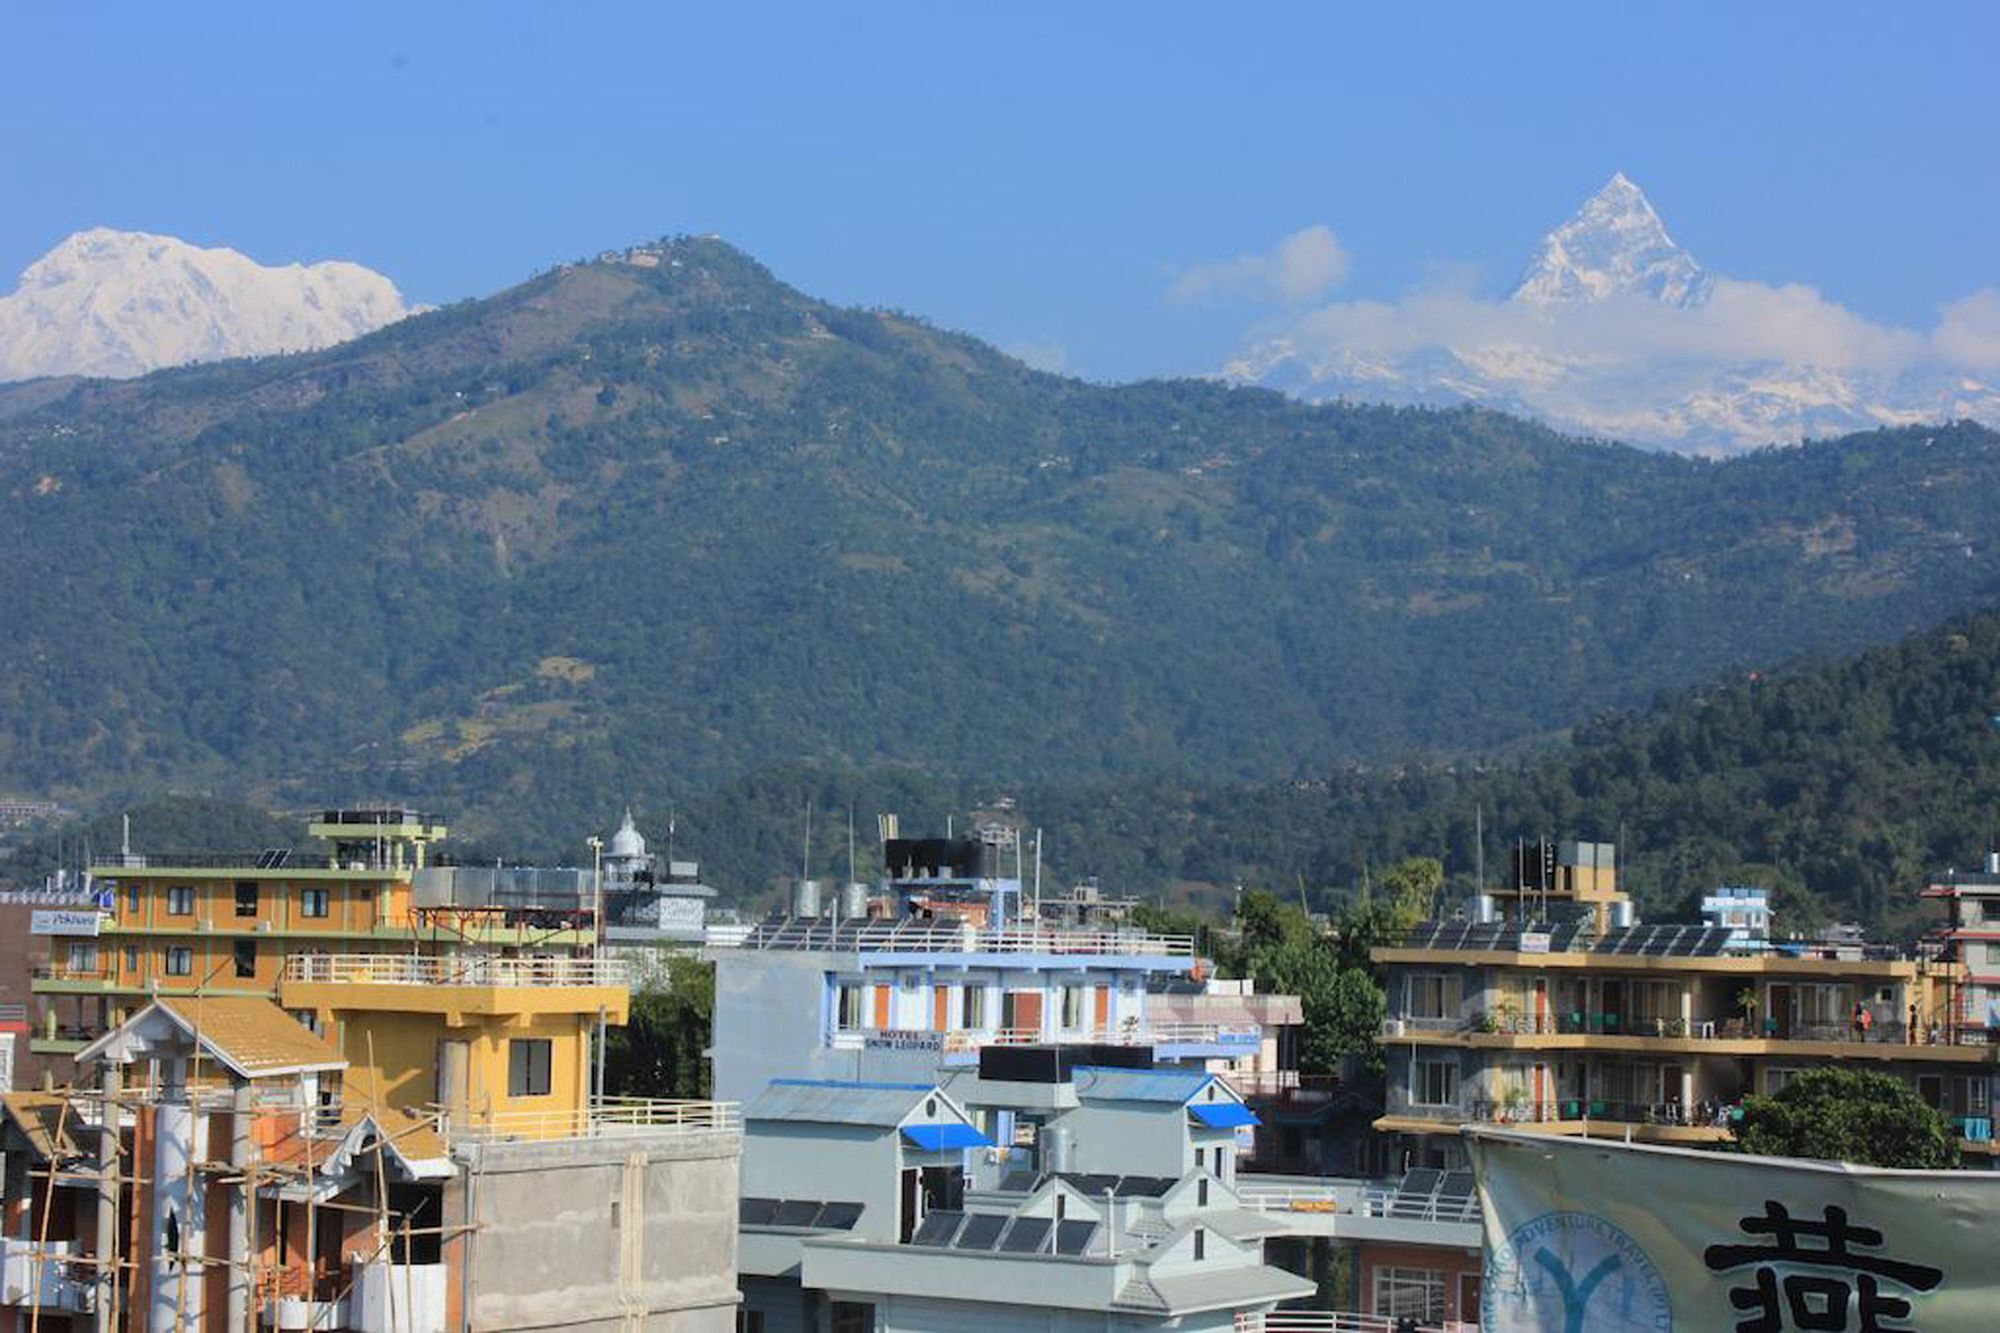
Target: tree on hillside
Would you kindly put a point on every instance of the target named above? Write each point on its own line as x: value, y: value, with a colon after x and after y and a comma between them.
x: 1847, y: 1115
x: 658, y: 1053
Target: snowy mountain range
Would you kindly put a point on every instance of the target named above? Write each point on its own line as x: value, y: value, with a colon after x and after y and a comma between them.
x: 121, y: 303
x: 1615, y: 330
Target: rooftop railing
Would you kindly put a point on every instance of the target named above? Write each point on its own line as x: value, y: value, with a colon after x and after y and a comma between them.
x: 1719, y: 1028
x: 964, y: 1040
x: 916, y: 936
x: 1371, y: 1201
x: 379, y: 969
x: 1339, y: 1321
x: 603, y: 1118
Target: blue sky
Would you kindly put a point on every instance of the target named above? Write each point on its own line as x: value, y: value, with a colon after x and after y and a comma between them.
x: 1037, y: 174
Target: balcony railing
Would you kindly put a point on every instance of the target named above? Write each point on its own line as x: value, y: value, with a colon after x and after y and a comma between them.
x: 377, y: 969
x: 959, y: 1041
x: 822, y: 934
x: 1371, y: 1201
x: 1337, y: 1321
x: 1709, y: 1115
x: 606, y: 1117
x: 1725, y: 1028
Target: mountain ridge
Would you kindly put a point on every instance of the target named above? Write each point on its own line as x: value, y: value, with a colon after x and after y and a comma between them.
x: 640, y: 524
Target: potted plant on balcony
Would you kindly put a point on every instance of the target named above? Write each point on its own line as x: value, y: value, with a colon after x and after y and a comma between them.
x: 1746, y: 1000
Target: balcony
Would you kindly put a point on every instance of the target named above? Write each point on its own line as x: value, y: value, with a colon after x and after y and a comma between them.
x: 1709, y: 1118
x: 53, y: 1276
x: 477, y: 970
x: 1728, y: 1028
x: 820, y: 934
x: 603, y: 1118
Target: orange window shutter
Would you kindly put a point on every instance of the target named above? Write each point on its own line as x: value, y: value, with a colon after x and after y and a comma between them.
x: 881, y: 1007
x: 1103, y: 1008
x: 941, y: 1008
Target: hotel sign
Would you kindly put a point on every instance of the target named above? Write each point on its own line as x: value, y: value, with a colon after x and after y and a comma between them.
x: 903, y: 1039
x: 56, y: 921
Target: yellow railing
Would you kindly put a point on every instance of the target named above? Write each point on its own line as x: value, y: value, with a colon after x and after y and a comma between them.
x: 383, y: 969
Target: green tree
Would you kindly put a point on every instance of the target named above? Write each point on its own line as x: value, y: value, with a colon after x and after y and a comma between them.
x: 1847, y: 1115
x: 658, y: 1053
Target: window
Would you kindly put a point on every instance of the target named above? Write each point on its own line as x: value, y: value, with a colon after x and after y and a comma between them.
x: 975, y: 1008
x: 1201, y: 1159
x: 1434, y: 1082
x: 1976, y: 1096
x: 1433, y: 995
x: 180, y: 962
x: 1072, y: 1007
x: 313, y: 902
x: 853, y: 1317
x: 82, y: 957
x: 1200, y: 1244
x: 528, y: 1066
x: 246, y: 898
x: 1201, y: 1193
x: 131, y: 958
x: 180, y: 900
x: 246, y: 958
x: 1410, y: 1293
x: 132, y: 900
x: 847, y: 1009
x: 749, y: 1321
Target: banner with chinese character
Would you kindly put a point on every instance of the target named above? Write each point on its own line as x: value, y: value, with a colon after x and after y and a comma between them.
x: 1589, y: 1236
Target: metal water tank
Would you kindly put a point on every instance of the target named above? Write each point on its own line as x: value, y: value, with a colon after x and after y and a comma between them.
x: 805, y: 898
x: 854, y: 901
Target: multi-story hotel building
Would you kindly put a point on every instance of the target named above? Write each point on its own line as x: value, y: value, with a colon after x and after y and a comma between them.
x: 1553, y: 1009
x: 229, y: 924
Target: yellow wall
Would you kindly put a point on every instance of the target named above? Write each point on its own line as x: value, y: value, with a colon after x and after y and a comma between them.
x: 394, y: 1057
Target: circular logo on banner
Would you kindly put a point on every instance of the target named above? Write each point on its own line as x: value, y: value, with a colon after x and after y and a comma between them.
x: 1573, y: 1273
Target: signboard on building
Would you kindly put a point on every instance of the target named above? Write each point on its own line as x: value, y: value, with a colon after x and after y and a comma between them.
x: 1534, y: 941
x: 6, y: 1062
x: 65, y: 921
x: 903, y: 1039
x: 1619, y: 1238
x: 683, y: 915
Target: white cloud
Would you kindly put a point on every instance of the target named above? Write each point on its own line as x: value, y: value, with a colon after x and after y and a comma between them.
x: 1305, y: 265
x: 1968, y: 332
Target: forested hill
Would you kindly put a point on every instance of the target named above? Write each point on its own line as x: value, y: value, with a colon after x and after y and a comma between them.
x: 1845, y: 787
x: 643, y: 524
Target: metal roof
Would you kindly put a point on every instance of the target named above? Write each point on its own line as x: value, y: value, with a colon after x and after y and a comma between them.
x: 1101, y: 1083
x: 834, y: 1102
x: 1223, y: 1115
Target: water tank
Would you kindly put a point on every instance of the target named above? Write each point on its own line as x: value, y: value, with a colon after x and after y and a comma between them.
x: 1058, y: 1149
x: 1621, y: 914
x: 854, y: 901
x: 805, y: 898
x: 1993, y: 861
x: 1482, y: 908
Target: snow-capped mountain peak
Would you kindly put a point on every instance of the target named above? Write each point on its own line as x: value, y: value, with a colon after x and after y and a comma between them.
x: 1614, y: 245
x: 117, y: 303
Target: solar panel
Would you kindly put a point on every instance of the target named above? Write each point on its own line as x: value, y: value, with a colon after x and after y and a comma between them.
x: 981, y: 1231
x: 937, y: 1230
x: 796, y: 1212
x: 1455, y: 1185
x: 756, y: 1212
x: 840, y: 1216
x: 1074, y: 1236
x: 1151, y: 1187
x: 1420, y: 1181
x: 1028, y: 1235
x: 1092, y: 1183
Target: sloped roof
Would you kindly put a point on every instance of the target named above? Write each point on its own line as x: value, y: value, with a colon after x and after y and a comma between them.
x: 833, y: 1102
x: 1208, y: 1287
x: 40, y: 1118
x: 251, y: 1036
x: 410, y: 1139
x: 1102, y: 1083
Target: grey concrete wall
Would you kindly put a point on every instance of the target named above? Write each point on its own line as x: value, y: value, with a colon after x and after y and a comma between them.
x: 618, y: 1234
x: 768, y: 1021
x: 853, y: 1163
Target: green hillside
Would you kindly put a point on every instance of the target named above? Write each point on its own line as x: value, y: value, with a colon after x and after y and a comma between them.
x: 641, y: 526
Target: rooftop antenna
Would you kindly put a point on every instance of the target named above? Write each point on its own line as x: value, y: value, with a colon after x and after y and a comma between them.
x: 805, y: 855
x: 670, y: 839
x: 850, y: 842
x: 1038, y: 875
x: 125, y: 846
x: 1479, y: 847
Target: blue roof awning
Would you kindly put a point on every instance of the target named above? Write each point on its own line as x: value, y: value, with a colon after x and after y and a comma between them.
x: 940, y: 1138
x: 1223, y: 1115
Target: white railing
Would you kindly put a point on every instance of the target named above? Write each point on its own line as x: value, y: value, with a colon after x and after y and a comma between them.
x: 964, y: 1040
x: 819, y: 933
x: 608, y: 1117
x: 1370, y: 1201
x: 384, y: 969
x: 1337, y: 1321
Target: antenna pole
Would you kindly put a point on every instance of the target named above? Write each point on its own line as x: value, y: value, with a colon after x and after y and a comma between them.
x: 805, y: 854
x: 1038, y: 875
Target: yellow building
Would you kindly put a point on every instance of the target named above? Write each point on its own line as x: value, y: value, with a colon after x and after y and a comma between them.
x: 1552, y: 1010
